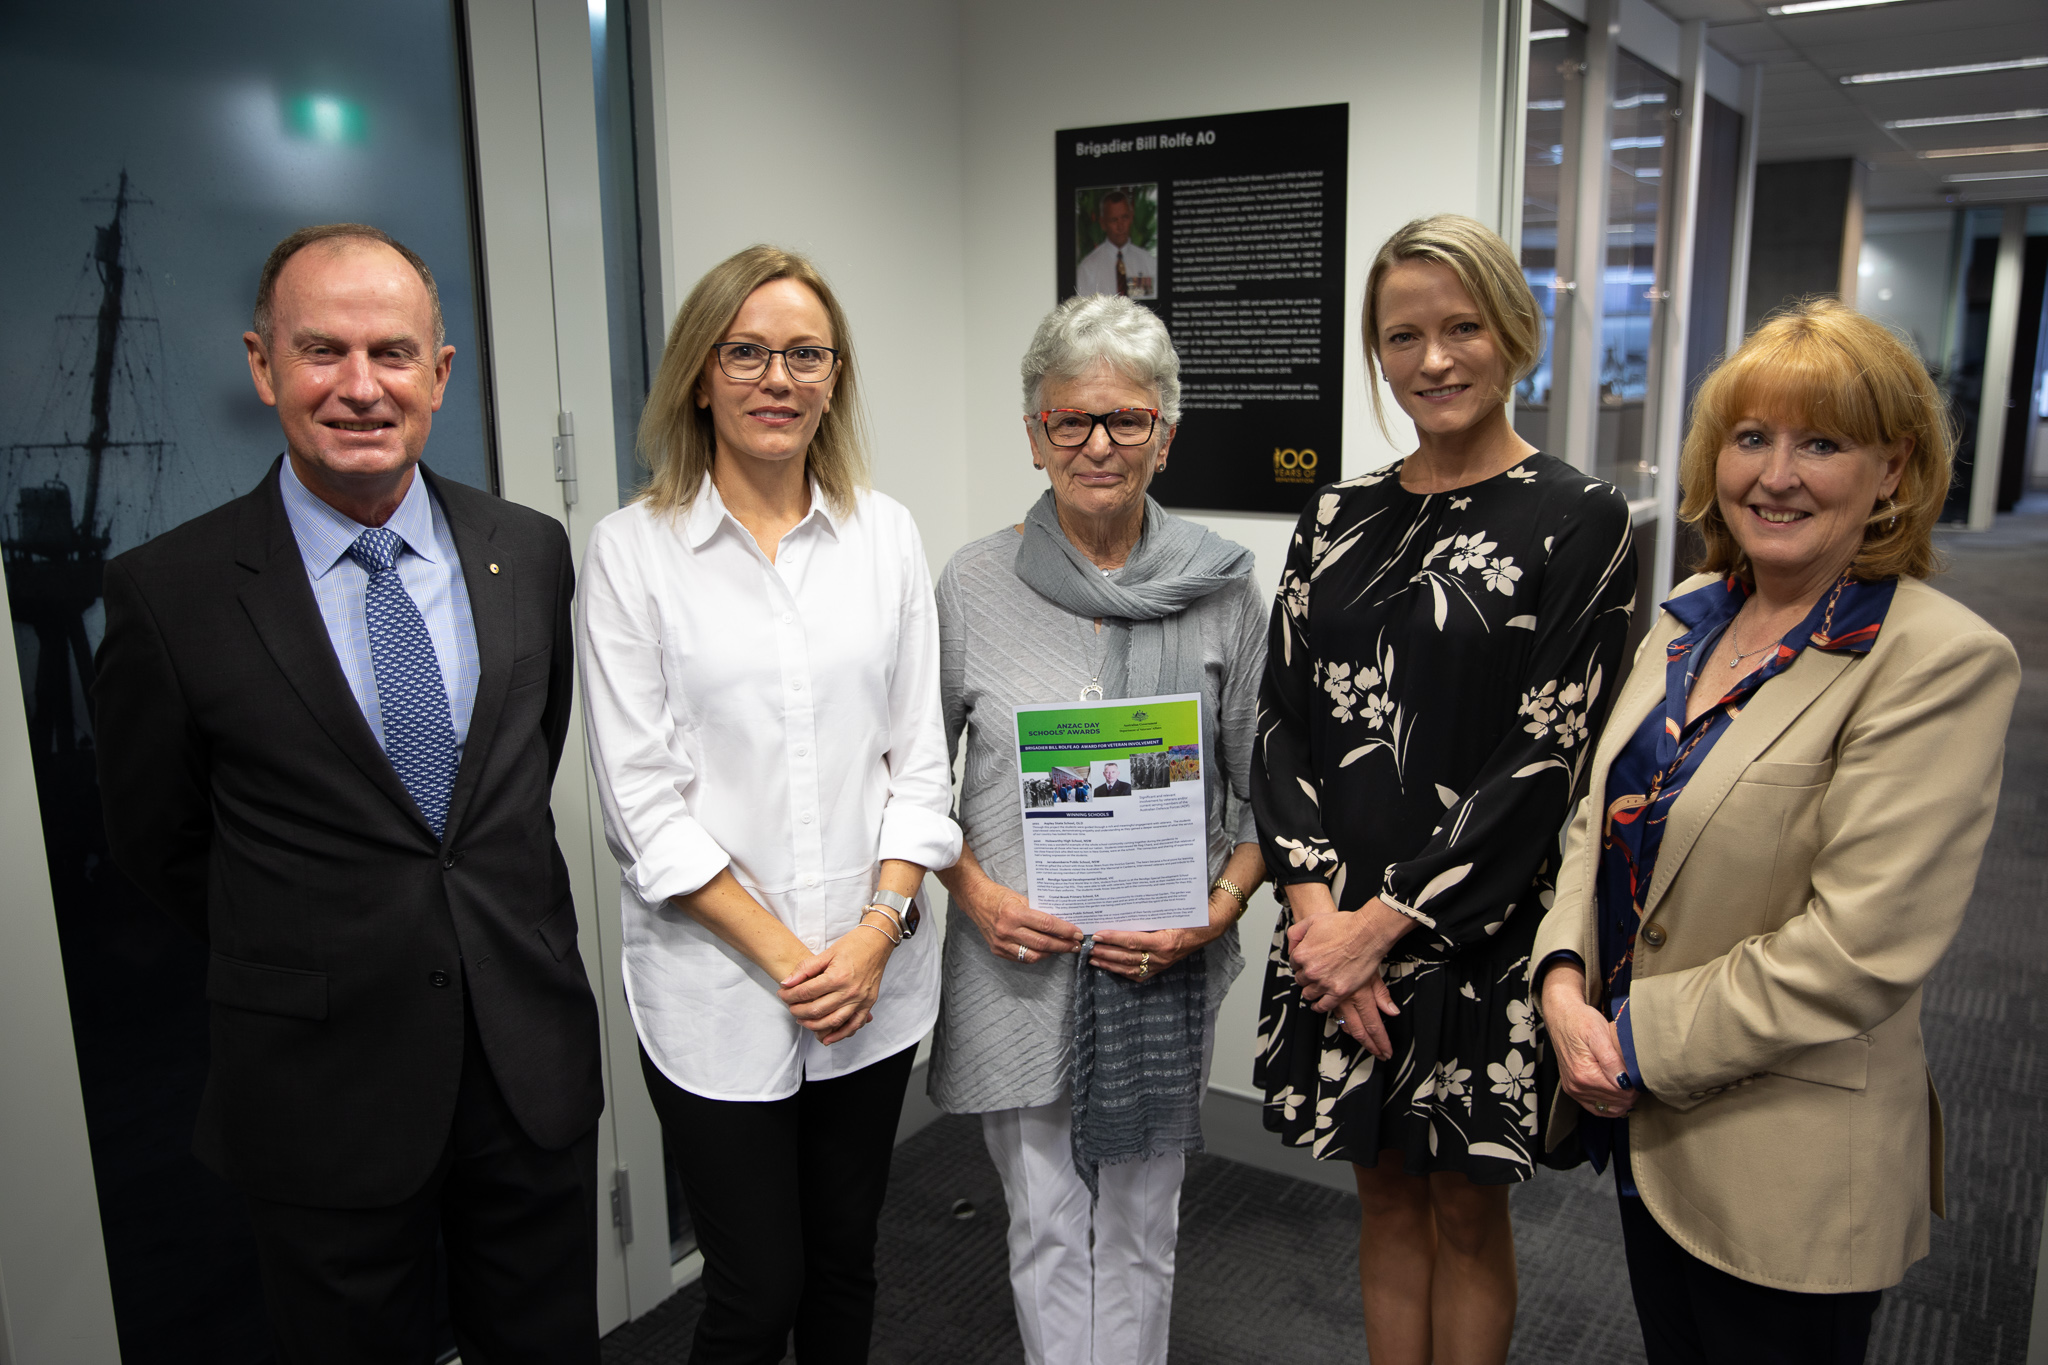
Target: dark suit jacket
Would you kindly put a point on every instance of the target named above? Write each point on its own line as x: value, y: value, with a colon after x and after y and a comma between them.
x: 1114, y: 789
x: 245, y: 793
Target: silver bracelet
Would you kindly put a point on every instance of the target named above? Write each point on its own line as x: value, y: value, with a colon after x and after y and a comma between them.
x: 899, y: 906
x: 893, y: 941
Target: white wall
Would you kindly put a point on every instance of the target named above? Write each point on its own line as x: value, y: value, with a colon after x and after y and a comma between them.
x: 1413, y: 75
x: 924, y: 190
x: 56, y: 1306
x: 1903, y: 274
x: 1420, y: 89
x: 834, y: 130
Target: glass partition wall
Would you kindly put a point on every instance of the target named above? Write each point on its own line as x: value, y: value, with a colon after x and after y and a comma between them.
x: 1608, y: 178
x: 1634, y: 289
x: 1556, y: 60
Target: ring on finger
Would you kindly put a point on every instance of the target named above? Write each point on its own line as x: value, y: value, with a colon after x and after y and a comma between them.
x: 1600, y: 1105
x: 1020, y: 952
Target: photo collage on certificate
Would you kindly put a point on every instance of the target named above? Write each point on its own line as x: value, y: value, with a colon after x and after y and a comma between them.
x: 1115, y: 829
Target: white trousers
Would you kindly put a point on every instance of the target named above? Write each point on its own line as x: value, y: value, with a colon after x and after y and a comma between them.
x: 1092, y: 1287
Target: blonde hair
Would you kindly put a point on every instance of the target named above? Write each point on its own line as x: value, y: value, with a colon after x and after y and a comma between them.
x: 1486, y: 269
x: 1820, y: 364
x: 677, y: 439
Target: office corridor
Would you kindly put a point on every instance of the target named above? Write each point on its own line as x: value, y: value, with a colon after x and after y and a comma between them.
x: 1267, y: 1264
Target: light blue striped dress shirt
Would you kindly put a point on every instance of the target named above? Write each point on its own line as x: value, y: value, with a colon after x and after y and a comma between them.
x: 428, y: 566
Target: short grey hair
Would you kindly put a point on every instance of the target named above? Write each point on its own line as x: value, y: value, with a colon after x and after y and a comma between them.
x: 1103, y: 329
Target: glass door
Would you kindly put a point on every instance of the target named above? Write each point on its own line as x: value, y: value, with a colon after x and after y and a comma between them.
x: 1640, y: 164
x: 1554, y: 85
x: 191, y: 140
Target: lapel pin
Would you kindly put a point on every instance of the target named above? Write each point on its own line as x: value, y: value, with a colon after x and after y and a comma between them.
x: 494, y: 568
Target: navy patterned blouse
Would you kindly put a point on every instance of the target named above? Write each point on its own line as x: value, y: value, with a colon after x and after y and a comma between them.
x: 1661, y: 757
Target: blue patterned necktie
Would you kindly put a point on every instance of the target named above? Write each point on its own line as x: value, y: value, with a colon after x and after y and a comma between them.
x: 419, y: 736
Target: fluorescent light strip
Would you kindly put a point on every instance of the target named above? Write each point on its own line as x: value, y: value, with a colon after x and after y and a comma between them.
x: 1947, y: 120
x: 1975, y: 176
x: 2010, y: 149
x: 1816, y: 6
x: 1922, y: 73
x: 1545, y: 34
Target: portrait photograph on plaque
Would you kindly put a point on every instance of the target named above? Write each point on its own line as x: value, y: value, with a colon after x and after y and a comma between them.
x: 1116, y: 240
x: 1231, y: 228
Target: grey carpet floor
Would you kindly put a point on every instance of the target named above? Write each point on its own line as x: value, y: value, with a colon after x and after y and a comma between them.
x: 1268, y: 1265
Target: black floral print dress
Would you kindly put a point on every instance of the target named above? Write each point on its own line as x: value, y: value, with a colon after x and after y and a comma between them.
x: 1438, y: 667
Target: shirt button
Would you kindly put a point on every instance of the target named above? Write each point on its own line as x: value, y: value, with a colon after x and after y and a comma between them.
x: 807, y: 817
x: 796, y: 687
x: 438, y: 978
x: 810, y: 881
x: 1654, y: 936
x: 802, y: 751
x: 787, y: 617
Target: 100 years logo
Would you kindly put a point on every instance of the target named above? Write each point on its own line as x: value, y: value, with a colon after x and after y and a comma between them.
x: 1294, y: 466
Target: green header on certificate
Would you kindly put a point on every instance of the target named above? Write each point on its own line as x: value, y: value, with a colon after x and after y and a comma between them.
x: 1063, y: 736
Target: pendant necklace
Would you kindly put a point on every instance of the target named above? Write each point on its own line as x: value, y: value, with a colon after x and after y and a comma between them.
x: 1093, y: 690
x: 1736, y: 662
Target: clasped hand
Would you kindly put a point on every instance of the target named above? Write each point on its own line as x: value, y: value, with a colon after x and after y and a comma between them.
x: 1586, y: 1042
x: 833, y: 993
x: 1008, y: 922
x: 1337, y: 960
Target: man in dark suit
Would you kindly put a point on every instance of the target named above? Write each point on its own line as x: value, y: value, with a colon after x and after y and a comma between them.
x: 1110, y: 786
x: 329, y: 716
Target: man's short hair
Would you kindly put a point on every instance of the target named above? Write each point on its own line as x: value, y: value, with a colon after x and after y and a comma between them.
x: 338, y: 234
x: 1115, y: 197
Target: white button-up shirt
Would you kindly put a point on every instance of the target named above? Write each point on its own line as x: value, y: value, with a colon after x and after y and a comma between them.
x: 780, y: 718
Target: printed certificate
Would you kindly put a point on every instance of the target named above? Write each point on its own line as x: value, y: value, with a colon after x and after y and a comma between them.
x: 1115, y: 831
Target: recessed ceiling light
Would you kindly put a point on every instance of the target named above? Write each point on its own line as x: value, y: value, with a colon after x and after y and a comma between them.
x: 1944, y: 120
x: 1816, y: 6
x: 1993, y: 175
x: 1922, y: 73
x: 2006, y: 150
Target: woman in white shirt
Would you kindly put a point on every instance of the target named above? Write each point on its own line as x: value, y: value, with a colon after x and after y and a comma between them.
x: 760, y: 659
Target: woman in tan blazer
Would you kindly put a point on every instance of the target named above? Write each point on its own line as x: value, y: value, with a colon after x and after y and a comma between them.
x: 1788, y: 807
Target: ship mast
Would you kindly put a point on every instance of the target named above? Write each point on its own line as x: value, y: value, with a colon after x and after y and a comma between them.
x: 113, y: 278
x: 55, y: 566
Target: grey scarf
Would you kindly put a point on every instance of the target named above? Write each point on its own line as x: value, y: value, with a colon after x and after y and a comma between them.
x: 1137, y: 1087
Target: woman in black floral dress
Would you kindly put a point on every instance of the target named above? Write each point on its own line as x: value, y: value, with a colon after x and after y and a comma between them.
x: 1447, y: 638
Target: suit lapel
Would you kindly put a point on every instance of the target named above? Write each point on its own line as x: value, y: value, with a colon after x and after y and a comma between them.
x: 1769, y: 713
x: 1640, y: 693
x: 279, y: 601
x: 489, y: 575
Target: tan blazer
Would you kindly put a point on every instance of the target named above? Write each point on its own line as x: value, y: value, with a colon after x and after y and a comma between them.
x: 1812, y: 874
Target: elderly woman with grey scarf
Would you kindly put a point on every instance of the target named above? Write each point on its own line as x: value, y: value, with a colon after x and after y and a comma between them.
x: 1086, y: 1056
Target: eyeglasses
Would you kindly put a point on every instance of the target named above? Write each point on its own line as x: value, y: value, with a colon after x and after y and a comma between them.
x: 746, y: 360
x: 1073, y: 427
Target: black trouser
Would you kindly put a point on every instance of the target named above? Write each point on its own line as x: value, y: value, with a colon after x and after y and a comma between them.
x: 1696, y: 1314
x: 356, y: 1286
x: 784, y: 1196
